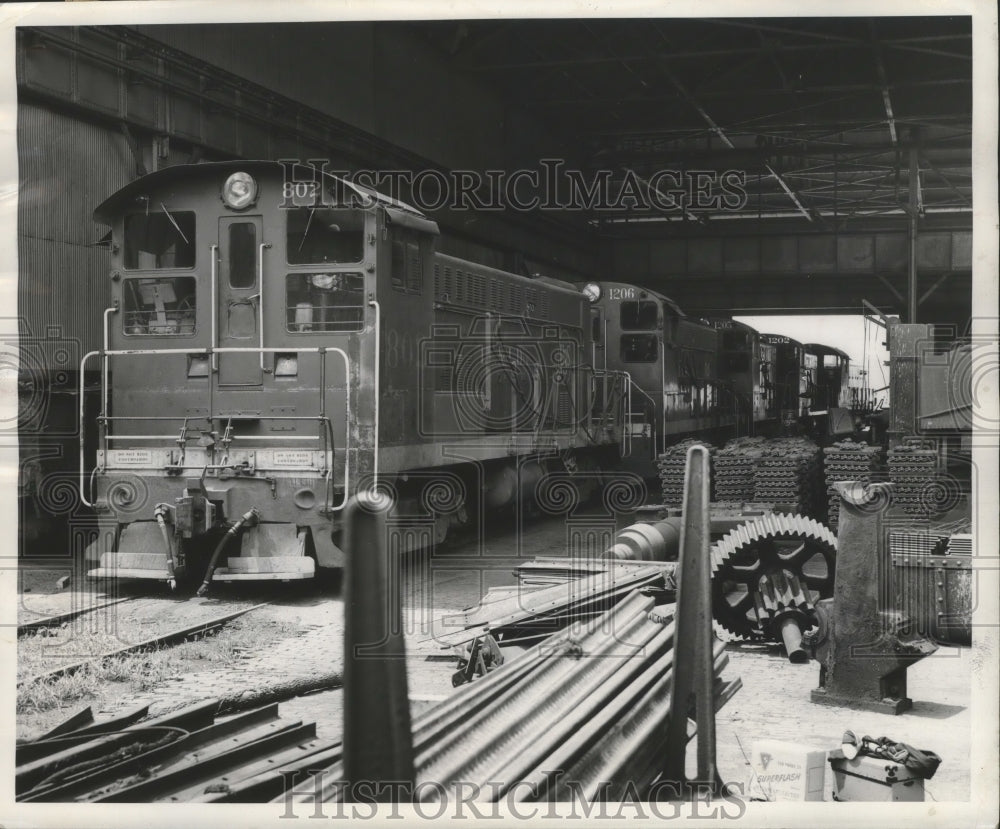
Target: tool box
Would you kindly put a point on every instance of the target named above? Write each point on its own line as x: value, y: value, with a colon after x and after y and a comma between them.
x: 875, y: 779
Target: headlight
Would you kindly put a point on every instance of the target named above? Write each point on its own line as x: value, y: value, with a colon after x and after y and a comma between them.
x: 323, y: 280
x: 592, y: 291
x: 239, y: 191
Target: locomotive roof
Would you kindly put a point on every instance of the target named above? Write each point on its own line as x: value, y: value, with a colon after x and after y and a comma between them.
x: 117, y: 201
x: 649, y: 292
x: 790, y: 340
x: 729, y: 322
x: 819, y: 348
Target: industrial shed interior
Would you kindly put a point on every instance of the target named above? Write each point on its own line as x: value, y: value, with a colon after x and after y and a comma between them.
x: 543, y: 379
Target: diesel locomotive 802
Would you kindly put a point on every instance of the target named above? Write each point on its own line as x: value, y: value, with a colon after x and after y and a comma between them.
x: 279, y: 337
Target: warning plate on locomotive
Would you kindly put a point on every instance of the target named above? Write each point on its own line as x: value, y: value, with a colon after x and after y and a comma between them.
x: 131, y: 457
x: 293, y: 457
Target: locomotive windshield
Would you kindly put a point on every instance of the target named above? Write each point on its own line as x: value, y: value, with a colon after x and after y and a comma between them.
x: 638, y: 316
x: 158, y: 307
x: 324, y: 235
x: 324, y: 302
x: 159, y: 240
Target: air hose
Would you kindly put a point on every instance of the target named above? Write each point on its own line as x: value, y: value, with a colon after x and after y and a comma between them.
x: 249, y: 519
x: 161, y: 509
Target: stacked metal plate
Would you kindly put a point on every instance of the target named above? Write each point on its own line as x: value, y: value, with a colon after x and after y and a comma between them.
x: 847, y: 461
x: 733, y: 469
x: 671, y: 464
x: 917, y: 542
x: 788, y: 473
x: 960, y: 544
x: 913, y: 469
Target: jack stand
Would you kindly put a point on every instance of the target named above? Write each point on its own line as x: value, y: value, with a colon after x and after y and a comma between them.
x: 862, y: 643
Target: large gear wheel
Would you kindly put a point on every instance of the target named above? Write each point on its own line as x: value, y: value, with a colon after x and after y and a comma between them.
x: 770, y: 573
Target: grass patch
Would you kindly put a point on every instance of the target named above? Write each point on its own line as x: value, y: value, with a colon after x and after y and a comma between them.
x: 135, y: 673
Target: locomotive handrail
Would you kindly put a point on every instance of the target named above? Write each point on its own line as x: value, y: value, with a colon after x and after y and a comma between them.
x: 213, y: 342
x: 104, y: 419
x: 83, y: 362
x: 260, y: 298
x: 378, y: 332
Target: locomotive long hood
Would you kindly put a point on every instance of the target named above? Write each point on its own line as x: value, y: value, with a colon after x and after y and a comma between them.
x: 402, y: 213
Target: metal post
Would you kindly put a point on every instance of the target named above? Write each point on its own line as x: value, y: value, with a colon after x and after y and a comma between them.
x: 694, y: 673
x: 378, y: 740
x: 914, y: 183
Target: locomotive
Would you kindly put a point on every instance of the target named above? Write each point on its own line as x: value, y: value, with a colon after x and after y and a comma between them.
x: 279, y: 338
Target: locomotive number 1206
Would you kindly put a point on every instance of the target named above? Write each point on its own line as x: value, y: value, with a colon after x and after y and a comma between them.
x: 621, y: 293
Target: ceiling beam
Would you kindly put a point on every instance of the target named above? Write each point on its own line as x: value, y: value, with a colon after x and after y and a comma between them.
x: 759, y: 92
x: 884, y: 82
x: 720, y: 133
x: 842, y: 40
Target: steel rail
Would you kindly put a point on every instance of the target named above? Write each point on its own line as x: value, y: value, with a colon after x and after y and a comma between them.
x: 555, y: 683
x: 600, y: 722
x: 615, y: 685
x: 61, y: 618
x: 550, y: 600
x: 637, y: 734
x: 199, y: 735
x: 170, y: 638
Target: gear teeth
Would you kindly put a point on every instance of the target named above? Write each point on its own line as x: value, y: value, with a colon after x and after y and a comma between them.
x: 779, y: 594
x: 743, y: 541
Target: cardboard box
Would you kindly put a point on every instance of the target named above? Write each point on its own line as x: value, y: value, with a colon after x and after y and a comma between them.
x: 782, y: 771
x: 875, y: 780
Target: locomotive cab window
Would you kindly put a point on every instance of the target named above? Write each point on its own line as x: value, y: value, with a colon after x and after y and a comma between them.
x: 638, y: 348
x: 159, y: 307
x: 316, y: 235
x: 324, y: 302
x: 734, y: 340
x: 638, y: 316
x: 156, y: 241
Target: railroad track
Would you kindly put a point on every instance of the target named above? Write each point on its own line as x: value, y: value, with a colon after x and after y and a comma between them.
x: 130, y: 626
x: 59, y: 619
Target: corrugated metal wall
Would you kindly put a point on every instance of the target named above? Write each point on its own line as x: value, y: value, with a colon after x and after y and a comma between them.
x: 67, y: 167
x: 378, y: 77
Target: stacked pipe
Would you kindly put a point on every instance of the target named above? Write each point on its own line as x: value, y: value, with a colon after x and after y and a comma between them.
x: 734, y: 466
x: 913, y: 469
x: 584, y: 713
x: 847, y: 460
x: 671, y: 465
x: 789, y: 474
